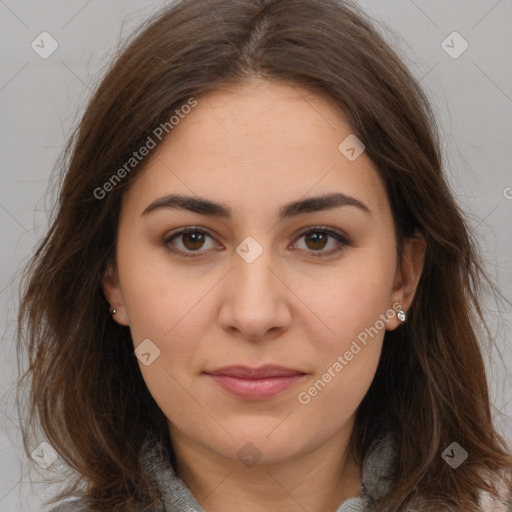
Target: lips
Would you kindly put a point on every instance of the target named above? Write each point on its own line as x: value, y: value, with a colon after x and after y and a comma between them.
x: 246, y: 372
x: 255, y: 383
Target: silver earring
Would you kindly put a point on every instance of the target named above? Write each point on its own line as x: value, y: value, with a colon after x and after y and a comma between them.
x: 114, y: 311
x: 401, y: 315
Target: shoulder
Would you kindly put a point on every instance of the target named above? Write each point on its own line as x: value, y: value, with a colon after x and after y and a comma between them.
x: 79, y: 505
x: 503, y: 503
x: 71, y: 506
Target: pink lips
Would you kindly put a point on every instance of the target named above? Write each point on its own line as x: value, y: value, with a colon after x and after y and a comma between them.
x: 255, y: 383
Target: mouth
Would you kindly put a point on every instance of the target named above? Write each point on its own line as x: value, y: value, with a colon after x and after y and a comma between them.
x: 255, y: 383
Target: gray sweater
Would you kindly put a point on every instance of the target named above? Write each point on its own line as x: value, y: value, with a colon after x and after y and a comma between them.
x: 377, y: 477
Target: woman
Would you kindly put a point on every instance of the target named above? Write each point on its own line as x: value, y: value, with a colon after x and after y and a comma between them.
x: 258, y: 292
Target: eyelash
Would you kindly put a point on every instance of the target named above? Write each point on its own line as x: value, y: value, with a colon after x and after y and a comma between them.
x: 343, y: 241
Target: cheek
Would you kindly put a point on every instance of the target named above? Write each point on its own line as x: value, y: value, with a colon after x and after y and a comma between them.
x: 333, y: 397
x: 157, y: 296
x: 346, y: 363
x: 354, y: 305
x: 351, y: 297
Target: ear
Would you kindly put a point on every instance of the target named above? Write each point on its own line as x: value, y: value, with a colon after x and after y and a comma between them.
x: 112, y: 291
x: 408, y: 274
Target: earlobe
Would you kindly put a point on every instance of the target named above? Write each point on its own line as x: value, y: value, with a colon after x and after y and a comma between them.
x: 412, y: 267
x: 409, y: 273
x: 112, y: 292
x: 109, y: 284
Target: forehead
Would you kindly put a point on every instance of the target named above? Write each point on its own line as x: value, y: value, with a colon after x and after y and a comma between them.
x: 262, y: 141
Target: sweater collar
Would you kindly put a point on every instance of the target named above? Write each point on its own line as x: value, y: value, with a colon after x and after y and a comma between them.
x: 378, y: 470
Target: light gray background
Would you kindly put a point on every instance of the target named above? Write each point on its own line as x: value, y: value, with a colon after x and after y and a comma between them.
x: 41, y: 99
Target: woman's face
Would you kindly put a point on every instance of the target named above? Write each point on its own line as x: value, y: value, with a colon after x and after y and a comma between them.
x: 278, y: 278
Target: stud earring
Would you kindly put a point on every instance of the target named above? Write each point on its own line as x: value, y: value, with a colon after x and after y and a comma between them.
x: 114, y: 311
x: 401, y: 315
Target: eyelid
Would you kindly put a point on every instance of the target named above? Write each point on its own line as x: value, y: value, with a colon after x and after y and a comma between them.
x: 326, y: 229
x: 183, y: 231
x: 341, y: 237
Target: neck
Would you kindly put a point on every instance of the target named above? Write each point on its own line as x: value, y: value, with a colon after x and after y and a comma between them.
x: 316, y: 481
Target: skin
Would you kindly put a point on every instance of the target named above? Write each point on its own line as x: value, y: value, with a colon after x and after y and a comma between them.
x: 256, y: 147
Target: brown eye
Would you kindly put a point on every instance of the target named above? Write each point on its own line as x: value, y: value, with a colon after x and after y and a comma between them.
x: 316, y: 240
x: 193, y: 240
x: 189, y: 243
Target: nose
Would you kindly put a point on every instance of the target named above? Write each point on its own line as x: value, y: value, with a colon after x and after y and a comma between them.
x: 255, y: 300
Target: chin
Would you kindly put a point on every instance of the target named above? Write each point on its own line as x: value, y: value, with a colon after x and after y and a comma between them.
x: 251, y: 447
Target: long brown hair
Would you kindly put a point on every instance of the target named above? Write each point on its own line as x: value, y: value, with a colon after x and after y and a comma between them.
x: 430, y: 387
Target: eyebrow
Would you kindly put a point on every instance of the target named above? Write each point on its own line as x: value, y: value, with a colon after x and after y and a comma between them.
x: 293, y: 209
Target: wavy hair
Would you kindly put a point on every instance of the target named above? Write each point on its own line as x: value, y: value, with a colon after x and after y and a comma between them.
x: 85, y: 386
